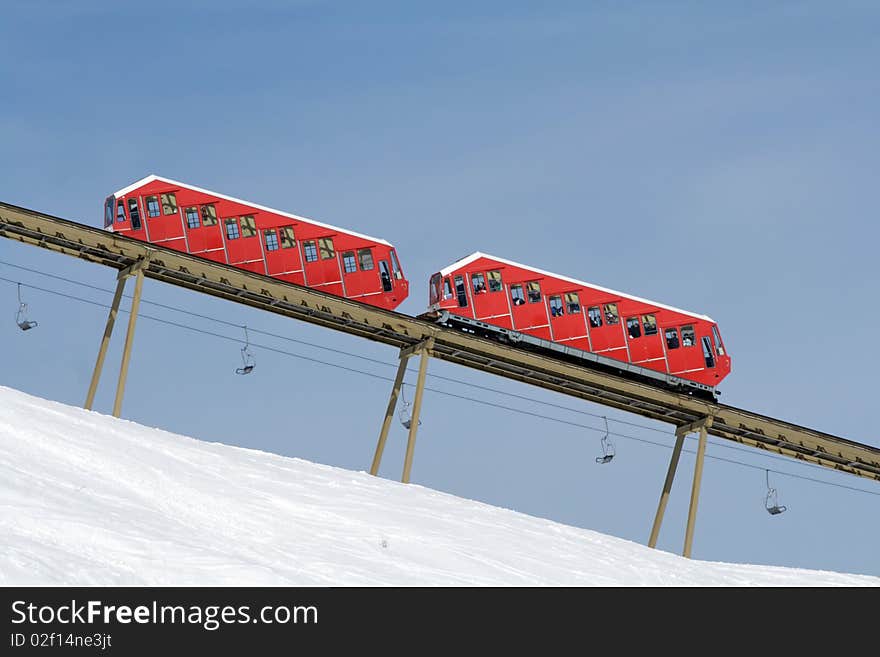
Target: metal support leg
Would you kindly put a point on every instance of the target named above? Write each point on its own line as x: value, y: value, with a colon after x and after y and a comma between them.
x: 667, y: 486
x: 389, y: 413
x: 105, y: 343
x: 417, y: 407
x: 695, y: 494
x: 129, y: 338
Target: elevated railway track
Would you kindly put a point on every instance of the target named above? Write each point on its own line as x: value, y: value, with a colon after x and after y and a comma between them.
x: 417, y: 336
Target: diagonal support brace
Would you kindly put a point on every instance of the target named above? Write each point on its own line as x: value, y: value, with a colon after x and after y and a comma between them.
x: 423, y: 348
x: 701, y: 426
x: 135, y: 269
x: 680, y: 433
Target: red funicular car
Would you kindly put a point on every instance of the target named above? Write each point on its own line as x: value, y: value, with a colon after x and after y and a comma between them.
x: 519, y: 303
x: 253, y: 237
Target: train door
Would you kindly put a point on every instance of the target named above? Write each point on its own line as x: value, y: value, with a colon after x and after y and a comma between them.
x: 459, y: 291
x: 242, y: 244
x: 676, y: 354
x: 282, y: 255
x: 687, y: 357
x: 203, y: 232
x: 490, y: 303
x: 121, y: 220
x: 644, y: 341
x: 528, y: 309
x: 606, y: 332
x: 164, y: 221
x: 359, y: 273
x: 128, y: 218
x: 567, y: 320
x: 321, y: 265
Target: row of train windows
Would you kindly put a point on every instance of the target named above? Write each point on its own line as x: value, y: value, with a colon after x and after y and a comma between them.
x: 245, y: 226
x: 478, y: 282
x: 207, y: 212
x: 157, y: 205
x: 364, y: 259
x: 168, y: 204
x: 271, y: 237
x: 312, y: 249
x: 570, y: 303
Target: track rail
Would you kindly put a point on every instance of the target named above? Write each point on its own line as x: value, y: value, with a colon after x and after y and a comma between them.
x: 402, y: 331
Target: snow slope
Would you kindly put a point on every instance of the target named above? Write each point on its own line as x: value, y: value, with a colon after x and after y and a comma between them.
x: 87, y: 499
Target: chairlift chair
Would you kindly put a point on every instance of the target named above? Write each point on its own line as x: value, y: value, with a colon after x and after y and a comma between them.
x: 771, y: 502
x: 21, y: 316
x: 248, y: 363
x: 608, y: 450
x: 404, y: 413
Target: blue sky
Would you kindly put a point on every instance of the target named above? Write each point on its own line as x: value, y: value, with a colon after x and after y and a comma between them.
x: 717, y: 158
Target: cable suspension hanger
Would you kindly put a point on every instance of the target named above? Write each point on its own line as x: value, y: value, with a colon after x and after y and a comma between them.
x: 21, y: 317
x: 608, y: 450
x: 248, y: 362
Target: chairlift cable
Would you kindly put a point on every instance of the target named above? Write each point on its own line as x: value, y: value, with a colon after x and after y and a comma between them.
x: 450, y: 394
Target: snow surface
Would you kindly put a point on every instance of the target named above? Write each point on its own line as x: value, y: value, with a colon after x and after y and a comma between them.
x: 91, y: 500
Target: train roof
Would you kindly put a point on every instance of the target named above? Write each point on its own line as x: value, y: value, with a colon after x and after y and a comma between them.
x: 143, y: 181
x: 477, y: 255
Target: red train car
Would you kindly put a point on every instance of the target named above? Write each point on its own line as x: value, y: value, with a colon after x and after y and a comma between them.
x: 515, y: 302
x: 260, y: 239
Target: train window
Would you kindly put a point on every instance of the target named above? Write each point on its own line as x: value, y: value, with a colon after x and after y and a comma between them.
x: 192, y: 216
x: 718, y: 346
x: 633, y: 328
x: 688, y: 339
x: 108, y: 212
x: 365, y: 258
x: 232, y: 230
x: 134, y: 214
x: 479, y: 283
x: 671, y: 338
x: 271, y: 238
x: 434, y: 288
x: 248, y: 227
x: 325, y: 246
x: 516, y: 295
x: 152, y: 206
x: 384, y: 276
x: 534, y: 290
x: 556, y: 308
x: 209, y: 215
x: 611, y: 314
x: 310, y: 250
x: 495, y: 284
x: 120, y: 211
x: 349, y: 263
x: 650, y: 324
x: 287, y: 239
x: 395, y: 266
x: 572, y: 302
x: 169, y: 203
x: 595, y: 316
x: 460, y: 292
x: 707, y: 352
x: 447, y: 289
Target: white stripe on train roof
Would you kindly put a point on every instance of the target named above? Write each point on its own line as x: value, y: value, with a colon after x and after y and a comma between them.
x: 143, y: 181
x: 475, y: 256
